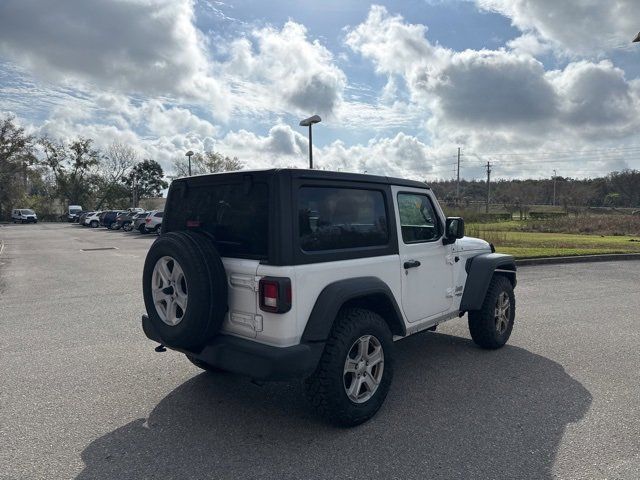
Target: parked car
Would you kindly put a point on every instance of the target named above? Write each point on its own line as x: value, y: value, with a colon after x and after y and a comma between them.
x: 92, y: 219
x: 139, y: 223
x: 131, y: 225
x: 83, y: 217
x: 153, y: 222
x: 73, y: 213
x: 23, y: 215
x: 124, y: 219
x: 109, y: 217
x: 312, y: 275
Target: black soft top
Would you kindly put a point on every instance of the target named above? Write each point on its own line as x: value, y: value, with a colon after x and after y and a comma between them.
x: 311, y: 175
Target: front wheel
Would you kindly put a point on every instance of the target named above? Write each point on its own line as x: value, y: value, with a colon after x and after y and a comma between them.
x: 356, y: 368
x: 491, y: 326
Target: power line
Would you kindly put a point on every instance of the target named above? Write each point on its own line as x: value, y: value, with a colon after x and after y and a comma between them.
x: 538, y: 152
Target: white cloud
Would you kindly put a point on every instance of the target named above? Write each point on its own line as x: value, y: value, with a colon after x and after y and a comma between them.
x: 284, y: 70
x: 505, y: 97
x: 132, y: 46
x: 529, y: 44
x: 583, y: 27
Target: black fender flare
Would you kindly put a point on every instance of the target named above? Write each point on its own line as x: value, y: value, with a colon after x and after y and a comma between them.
x: 369, y: 290
x: 480, y: 270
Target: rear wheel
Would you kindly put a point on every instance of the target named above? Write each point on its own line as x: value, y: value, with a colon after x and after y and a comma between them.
x: 142, y: 229
x: 94, y: 224
x: 491, y: 326
x: 356, y: 368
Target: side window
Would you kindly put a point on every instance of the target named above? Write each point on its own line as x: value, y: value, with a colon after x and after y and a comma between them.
x: 418, y: 218
x: 338, y: 218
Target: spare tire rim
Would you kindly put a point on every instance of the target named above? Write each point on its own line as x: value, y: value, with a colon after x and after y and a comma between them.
x: 502, y: 312
x: 169, y: 290
x: 363, y: 369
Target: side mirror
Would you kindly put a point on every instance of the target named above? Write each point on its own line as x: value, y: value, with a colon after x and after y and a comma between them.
x: 454, y: 229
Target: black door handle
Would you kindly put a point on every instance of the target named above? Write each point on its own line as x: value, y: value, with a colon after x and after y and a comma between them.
x: 411, y: 264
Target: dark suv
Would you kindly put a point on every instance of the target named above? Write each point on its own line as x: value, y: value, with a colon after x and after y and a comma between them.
x: 281, y: 274
x: 108, y: 217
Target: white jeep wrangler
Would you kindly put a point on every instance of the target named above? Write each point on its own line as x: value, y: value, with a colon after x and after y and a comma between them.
x: 281, y: 274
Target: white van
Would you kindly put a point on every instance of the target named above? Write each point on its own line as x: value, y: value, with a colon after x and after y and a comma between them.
x: 73, y: 213
x: 23, y: 215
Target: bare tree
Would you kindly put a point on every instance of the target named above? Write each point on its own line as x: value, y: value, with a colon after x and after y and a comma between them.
x: 209, y: 162
x: 117, y: 161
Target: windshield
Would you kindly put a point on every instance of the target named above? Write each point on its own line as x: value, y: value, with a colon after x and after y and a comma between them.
x: 235, y: 215
x: 75, y: 210
x: 28, y: 212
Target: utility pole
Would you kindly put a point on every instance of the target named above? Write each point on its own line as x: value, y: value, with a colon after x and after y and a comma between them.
x: 554, y: 188
x: 488, y: 186
x: 458, y: 181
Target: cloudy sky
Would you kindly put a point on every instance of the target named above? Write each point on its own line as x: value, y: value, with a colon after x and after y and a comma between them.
x: 532, y: 86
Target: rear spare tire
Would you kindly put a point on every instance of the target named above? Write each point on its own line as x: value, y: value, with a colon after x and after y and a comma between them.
x: 185, y: 289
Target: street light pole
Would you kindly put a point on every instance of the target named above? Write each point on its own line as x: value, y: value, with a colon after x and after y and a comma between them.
x: 189, y: 154
x: 308, y: 122
x: 135, y: 190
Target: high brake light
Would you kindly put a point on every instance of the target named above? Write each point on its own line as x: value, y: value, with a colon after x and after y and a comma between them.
x: 275, y: 294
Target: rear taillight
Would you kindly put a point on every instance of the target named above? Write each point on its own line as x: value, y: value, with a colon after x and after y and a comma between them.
x: 275, y: 294
x: 147, y: 220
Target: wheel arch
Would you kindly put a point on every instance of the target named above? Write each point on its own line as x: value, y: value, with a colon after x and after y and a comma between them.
x: 480, y: 270
x: 362, y: 292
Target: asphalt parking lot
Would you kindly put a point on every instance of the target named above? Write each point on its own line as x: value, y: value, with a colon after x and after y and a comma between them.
x: 83, y: 394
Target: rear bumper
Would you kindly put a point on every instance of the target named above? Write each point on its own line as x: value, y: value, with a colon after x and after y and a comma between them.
x: 253, y: 359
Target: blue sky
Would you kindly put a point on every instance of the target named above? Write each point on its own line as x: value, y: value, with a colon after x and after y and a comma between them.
x: 530, y: 85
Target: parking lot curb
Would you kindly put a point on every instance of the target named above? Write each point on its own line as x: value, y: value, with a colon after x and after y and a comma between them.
x: 525, y: 262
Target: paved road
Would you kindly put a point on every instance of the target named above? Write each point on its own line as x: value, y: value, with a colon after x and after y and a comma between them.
x: 82, y: 393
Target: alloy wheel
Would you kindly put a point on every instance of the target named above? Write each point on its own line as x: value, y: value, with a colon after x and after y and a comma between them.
x: 169, y: 290
x: 502, y: 312
x: 363, y: 369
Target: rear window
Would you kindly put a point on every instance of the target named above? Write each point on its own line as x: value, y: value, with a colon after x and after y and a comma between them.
x: 235, y: 214
x: 159, y: 214
x: 339, y: 218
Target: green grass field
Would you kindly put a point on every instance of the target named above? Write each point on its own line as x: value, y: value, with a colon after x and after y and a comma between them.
x: 508, y: 239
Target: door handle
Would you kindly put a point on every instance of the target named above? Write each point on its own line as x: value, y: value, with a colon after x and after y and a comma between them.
x: 411, y: 264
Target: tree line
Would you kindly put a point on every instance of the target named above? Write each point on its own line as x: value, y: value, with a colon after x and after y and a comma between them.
x: 47, y: 174
x: 617, y: 189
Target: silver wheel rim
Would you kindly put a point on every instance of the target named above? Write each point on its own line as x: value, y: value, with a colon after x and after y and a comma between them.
x: 502, y: 312
x: 363, y: 369
x: 169, y: 290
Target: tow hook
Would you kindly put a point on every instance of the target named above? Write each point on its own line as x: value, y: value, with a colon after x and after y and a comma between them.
x: 160, y: 348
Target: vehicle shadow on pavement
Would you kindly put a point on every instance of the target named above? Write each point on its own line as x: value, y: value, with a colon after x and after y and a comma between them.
x: 454, y: 411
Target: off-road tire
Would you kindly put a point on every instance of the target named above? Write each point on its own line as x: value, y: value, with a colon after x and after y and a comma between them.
x: 482, y: 323
x: 203, y: 365
x: 325, y: 388
x: 206, y: 282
